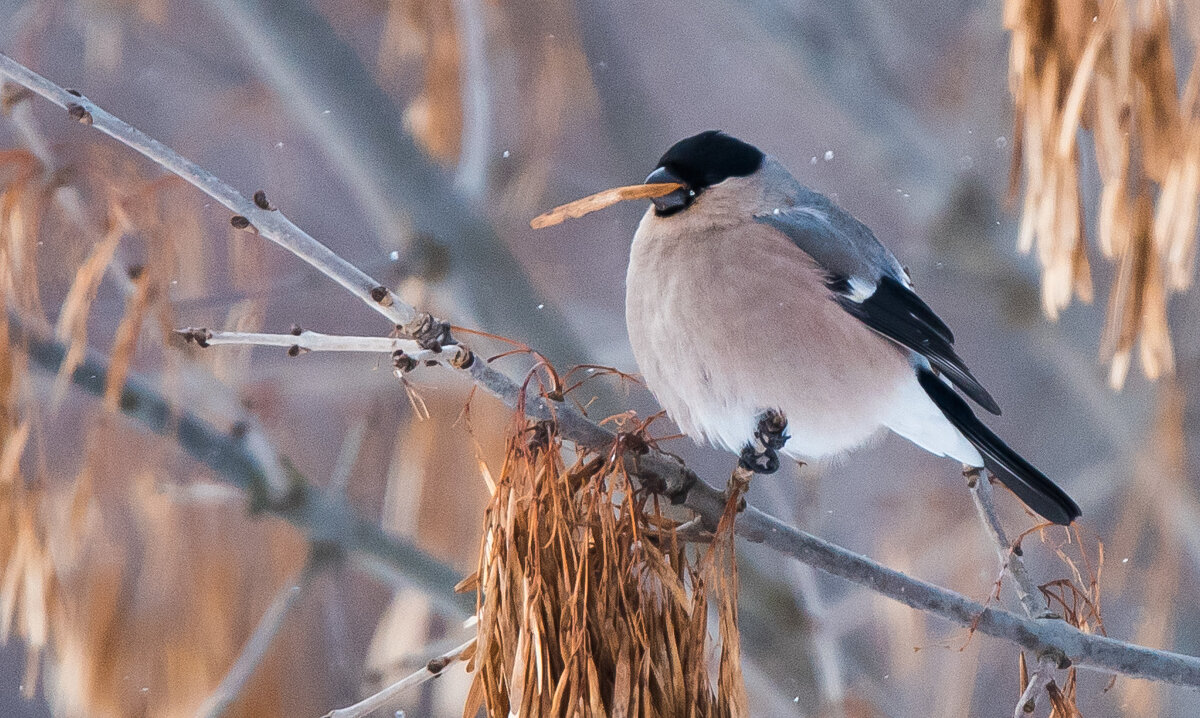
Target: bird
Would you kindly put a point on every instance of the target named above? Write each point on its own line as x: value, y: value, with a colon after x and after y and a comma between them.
x: 768, y: 321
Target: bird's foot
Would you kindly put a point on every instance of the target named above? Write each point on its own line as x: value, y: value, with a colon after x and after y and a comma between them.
x: 772, y: 429
x: 761, y: 456
x: 764, y: 461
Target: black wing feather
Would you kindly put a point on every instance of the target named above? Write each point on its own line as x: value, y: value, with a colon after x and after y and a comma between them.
x: 899, y: 314
x: 1030, y: 485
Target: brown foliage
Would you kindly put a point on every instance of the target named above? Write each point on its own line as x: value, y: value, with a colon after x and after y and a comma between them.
x: 1108, y: 67
x: 589, y: 604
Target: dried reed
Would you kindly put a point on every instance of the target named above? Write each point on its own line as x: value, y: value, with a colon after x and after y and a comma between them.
x: 1108, y: 67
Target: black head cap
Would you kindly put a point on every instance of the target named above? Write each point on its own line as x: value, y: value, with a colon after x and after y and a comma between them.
x: 710, y: 157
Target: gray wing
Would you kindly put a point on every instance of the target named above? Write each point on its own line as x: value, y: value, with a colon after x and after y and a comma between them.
x: 871, y: 285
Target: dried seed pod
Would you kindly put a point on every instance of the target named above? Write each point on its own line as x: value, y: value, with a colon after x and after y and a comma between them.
x: 600, y: 200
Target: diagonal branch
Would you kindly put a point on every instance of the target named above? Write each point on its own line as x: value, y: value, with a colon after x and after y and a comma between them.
x: 1013, y: 563
x: 312, y: 70
x: 1011, y: 559
x: 432, y: 669
x: 231, y: 686
x: 232, y: 459
x: 658, y: 471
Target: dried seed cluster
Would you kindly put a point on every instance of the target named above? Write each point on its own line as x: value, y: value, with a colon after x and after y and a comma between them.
x: 588, y: 602
x: 1108, y: 68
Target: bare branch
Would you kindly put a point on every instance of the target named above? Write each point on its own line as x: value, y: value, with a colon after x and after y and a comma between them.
x: 312, y: 70
x: 256, y: 647
x: 241, y: 463
x: 1039, y: 681
x: 471, y: 175
x: 659, y: 471
x: 317, y: 342
x: 1011, y: 560
x: 387, y: 696
x: 1038, y: 635
x: 268, y: 223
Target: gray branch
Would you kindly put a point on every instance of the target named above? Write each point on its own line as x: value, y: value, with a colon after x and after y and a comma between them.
x: 658, y: 471
x: 323, y: 517
x: 311, y: 71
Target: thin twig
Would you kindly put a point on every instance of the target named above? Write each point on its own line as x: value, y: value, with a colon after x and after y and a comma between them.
x: 1011, y: 560
x: 1012, y: 563
x: 1041, y: 679
x: 248, y: 660
x: 471, y: 175
x: 317, y: 342
x: 659, y: 471
x: 347, y: 456
x: 387, y: 696
x: 269, y: 223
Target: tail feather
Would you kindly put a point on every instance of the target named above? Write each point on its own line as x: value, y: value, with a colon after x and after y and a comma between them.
x: 1029, y: 484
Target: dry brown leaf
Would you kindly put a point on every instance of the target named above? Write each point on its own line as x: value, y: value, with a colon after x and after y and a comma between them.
x: 601, y: 200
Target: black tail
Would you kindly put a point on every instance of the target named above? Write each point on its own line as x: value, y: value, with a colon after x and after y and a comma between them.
x: 1031, y: 485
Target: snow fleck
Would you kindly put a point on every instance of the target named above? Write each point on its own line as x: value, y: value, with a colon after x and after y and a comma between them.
x: 541, y: 306
x: 505, y: 154
x: 1001, y: 142
x: 828, y: 155
x: 1125, y: 560
x: 813, y: 161
x: 279, y: 145
x: 394, y: 255
x: 775, y: 211
x: 325, y: 112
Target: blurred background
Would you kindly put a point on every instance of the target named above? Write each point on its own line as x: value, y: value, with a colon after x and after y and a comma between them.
x: 417, y: 138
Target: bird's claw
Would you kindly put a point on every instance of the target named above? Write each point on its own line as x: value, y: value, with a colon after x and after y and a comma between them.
x: 765, y: 461
x: 761, y: 456
x: 772, y: 429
